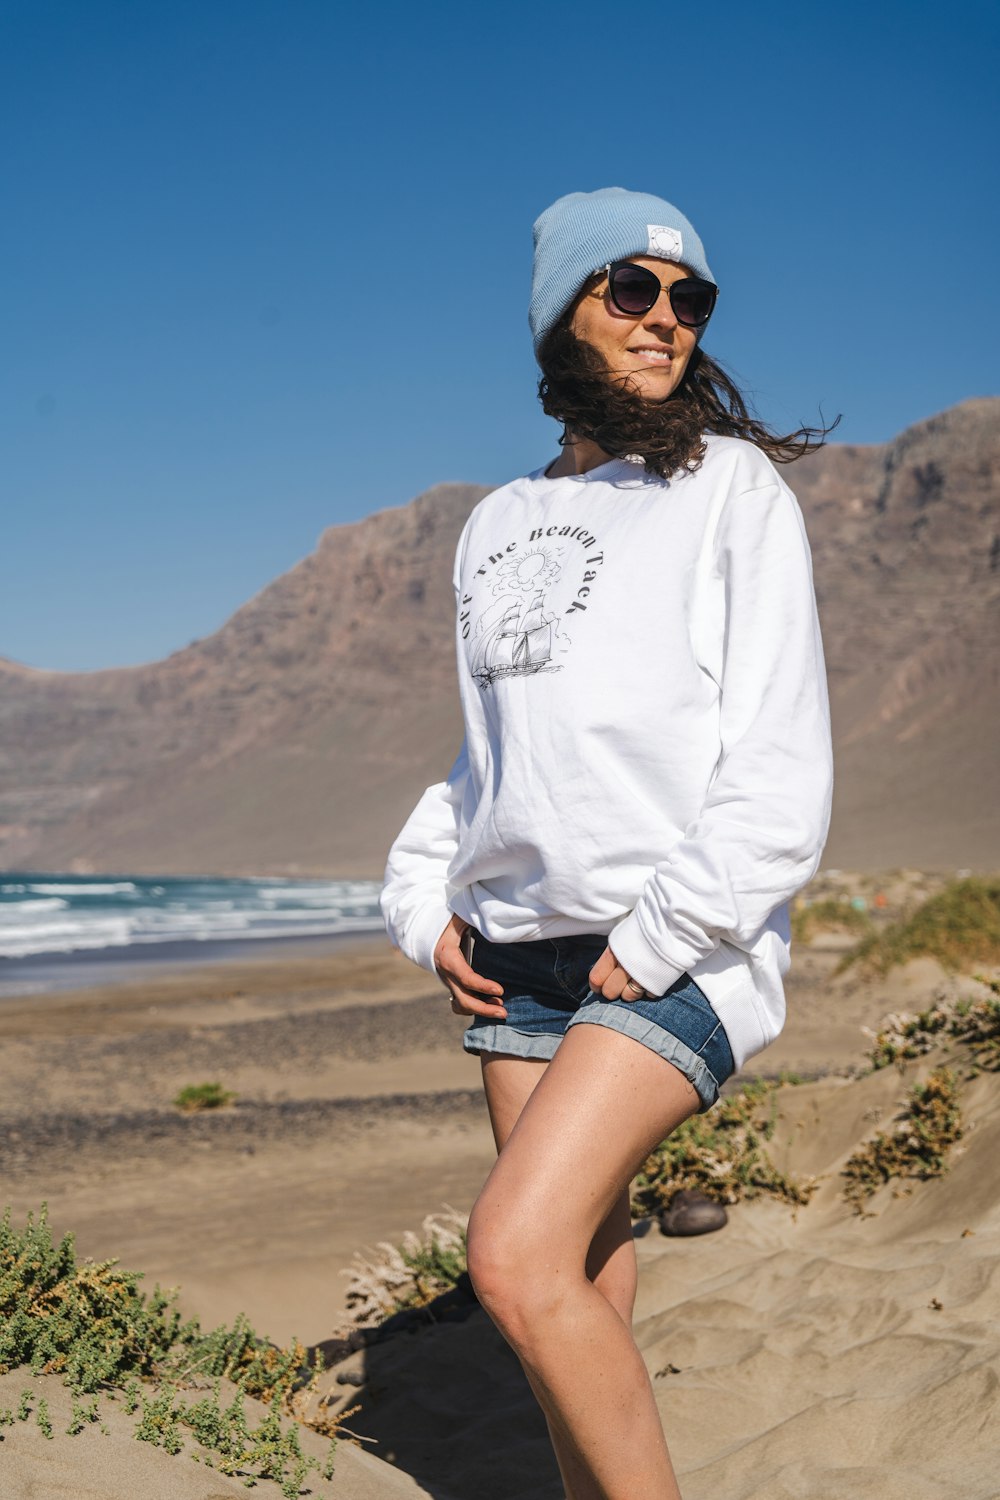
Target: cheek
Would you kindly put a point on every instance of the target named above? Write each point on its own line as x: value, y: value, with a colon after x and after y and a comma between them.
x: 685, y: 348
x: 594, y: 324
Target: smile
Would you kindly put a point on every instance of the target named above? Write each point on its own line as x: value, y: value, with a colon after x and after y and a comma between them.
x: 654, y: 356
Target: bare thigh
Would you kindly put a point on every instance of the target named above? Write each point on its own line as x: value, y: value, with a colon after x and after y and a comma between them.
x: 598, y: 1109
x: 508, y: 1083
x: 611, y: 1264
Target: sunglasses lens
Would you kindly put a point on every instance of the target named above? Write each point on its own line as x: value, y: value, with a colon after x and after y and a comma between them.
x: 692, y: 302
x: 633, y: 289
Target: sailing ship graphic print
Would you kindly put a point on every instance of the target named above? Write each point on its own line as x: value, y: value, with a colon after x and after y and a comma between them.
x: 519, y: 643
x: 512, y: 611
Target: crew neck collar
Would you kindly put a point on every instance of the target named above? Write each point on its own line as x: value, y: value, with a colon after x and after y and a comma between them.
x: 621, y: 468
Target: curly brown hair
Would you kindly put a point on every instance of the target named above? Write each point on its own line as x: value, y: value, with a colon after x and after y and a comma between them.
x: 668, y: 435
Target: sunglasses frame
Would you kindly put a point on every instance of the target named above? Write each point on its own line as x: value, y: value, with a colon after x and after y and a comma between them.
x: 667, y: 287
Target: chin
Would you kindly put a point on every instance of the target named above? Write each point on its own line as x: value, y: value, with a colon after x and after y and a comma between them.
x: 649, y: 385
x: 656, y: 391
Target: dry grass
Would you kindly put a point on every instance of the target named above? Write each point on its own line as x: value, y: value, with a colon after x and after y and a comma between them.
x: 904, y: 1036
x: 960, y: 926
x: 930, y: 1124
x: 392, y: 1278
x: 830, y: 914
x: 722, y: 1154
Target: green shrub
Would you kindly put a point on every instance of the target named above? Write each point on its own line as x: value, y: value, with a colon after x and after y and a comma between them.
x: 88, y: 1322
x: 91, y: 1323
x: 976, y: 1022
x: 202, y: 1096
x: 43, y: 1419
x: 930, y: 1125
x: 81, y: 1415
x: 721, y: 1154
x: 959, y: 926
x: 829, y: 914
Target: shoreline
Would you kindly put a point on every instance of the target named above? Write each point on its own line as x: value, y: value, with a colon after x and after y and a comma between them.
x: 87, y: 968
x: 84, y: 969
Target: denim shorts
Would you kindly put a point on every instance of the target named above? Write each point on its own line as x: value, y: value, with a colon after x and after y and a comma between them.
x: 546, y: 989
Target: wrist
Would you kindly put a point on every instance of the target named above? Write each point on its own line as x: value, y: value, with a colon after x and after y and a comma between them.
x: 426, y: 932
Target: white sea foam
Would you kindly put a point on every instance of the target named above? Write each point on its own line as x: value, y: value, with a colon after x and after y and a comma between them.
x: 296, y: 892
x: 64, y: 937
x: 45, y: 916
x: 14, y: 910
x: 109, y: 888
x: 304, y: 929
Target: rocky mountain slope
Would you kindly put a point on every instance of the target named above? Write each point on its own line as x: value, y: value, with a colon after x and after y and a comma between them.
x: 297, y: 737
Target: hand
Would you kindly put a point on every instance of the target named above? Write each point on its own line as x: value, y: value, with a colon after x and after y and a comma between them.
x: 609, y: 979
x: 469, y: 990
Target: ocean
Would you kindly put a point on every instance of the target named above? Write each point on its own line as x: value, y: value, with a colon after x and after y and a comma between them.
x: 56, y: 929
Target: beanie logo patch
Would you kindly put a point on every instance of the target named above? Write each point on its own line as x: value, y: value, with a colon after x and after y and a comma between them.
x: 665, y: 241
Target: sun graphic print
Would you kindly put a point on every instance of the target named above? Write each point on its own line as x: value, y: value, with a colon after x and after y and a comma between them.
x: 533, y: 570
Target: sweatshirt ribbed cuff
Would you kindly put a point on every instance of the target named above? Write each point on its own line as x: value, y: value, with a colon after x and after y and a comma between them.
x: 423, y: 932
x: 642, y: 962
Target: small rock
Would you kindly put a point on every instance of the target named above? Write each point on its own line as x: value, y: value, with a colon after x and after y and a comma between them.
x: 690, y: 1212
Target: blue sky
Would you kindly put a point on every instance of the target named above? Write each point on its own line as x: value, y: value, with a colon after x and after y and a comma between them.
x: 264, y: 264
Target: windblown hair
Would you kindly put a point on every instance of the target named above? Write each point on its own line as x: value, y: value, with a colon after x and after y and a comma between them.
x: 575, y: 388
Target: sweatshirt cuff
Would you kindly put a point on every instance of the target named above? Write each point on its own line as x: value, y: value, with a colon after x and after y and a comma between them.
x: 643, y: 963
x: 423, y: 933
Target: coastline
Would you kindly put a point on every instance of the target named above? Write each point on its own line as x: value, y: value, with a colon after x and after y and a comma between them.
x: 86, y: 968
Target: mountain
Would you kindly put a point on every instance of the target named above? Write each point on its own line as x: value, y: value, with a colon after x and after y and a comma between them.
x: 286, y: 742
x: 906, y: 550
x: 296, y: 739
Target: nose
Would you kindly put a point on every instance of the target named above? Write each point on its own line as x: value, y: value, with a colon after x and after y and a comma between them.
x: 661, y: 314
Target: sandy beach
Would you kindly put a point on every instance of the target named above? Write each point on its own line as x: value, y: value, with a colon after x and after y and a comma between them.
x: 798, y: 1352
x: 348, y: 1072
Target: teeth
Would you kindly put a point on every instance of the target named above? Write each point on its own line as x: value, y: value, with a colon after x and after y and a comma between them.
x: 655, y: 354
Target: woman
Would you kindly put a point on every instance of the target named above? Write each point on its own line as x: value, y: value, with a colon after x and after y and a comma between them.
x: 602, y: 882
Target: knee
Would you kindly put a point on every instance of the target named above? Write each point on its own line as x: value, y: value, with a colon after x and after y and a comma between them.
x: 516, y: 1283
x: 492, y: 1257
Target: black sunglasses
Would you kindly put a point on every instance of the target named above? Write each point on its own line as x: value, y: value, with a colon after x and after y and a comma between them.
x: 634, y: 290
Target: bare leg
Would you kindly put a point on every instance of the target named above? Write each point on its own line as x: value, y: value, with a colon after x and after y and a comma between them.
x: 611, y: 1262
x: 599, y: 1108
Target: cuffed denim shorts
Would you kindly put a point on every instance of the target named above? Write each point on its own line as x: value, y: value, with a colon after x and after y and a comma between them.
x: 546, y: 990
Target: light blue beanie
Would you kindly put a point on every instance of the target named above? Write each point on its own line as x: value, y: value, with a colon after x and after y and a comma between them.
x: 582, y: 232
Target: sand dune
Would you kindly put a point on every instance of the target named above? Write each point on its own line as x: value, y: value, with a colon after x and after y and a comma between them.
x: 112, y: 1466
x: 798, y: 1353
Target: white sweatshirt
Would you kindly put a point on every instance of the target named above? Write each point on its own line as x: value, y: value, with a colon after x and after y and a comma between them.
x: 647, y: 749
